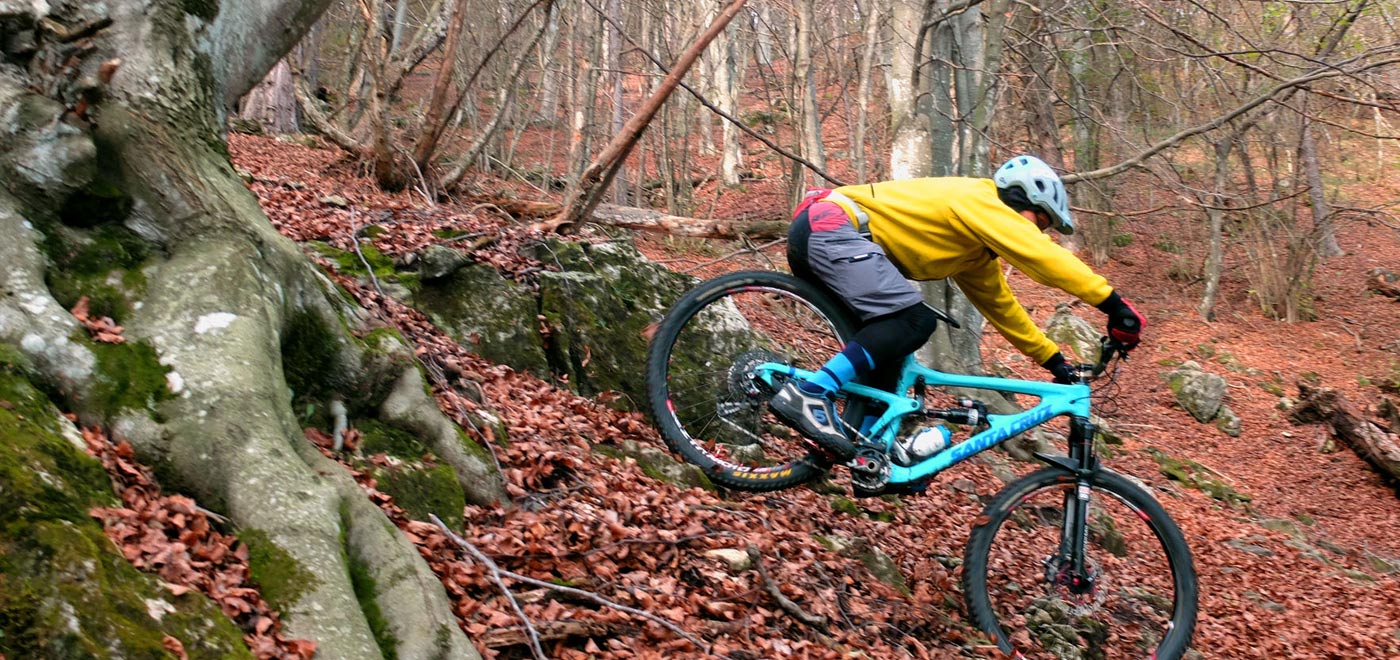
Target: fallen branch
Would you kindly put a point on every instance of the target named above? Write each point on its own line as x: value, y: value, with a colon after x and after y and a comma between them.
x: 1384, y: 282
x: 549, y: 631
x: 813, y: 620
x: 1368, y: 440
x: 497, y: 572
x: 749, y: 248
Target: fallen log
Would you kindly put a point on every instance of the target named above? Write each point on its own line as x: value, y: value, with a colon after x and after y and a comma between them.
x: 1367, y: 439
x: 649, y: 220
x: 1384, y: 282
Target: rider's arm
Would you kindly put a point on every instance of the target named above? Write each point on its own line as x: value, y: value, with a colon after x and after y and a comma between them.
x: 1018, y: 241
x: 986, y: 288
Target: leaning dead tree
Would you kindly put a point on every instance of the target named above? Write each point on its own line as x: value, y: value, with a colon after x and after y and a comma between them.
x: 593, y: 184
x: 111, y: 135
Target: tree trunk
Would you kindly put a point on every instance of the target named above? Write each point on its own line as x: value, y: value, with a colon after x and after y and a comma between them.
x: 613, y: 57
x: 728, y: 82
x: 806, y: 87
x: 435, y: 122
x: 1322, y: 211
x: 595, y: 179
x: 1215, y: 243
x: 910, y: 154
x: 873, y: 18
x: 224, y: 293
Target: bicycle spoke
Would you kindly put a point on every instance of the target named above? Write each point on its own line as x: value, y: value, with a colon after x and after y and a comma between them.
x: 1127, y: 599
x: 710, y: 406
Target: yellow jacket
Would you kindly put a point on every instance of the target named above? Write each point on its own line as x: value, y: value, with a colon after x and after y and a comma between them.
x: 954, y: 227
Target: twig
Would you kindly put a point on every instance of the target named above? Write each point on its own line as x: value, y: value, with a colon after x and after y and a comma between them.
x: 355, y: 240
x: 435, y: 372
x: 813, y: 620
x: 496, y: 573
x: 758, y: 251
x: 1353, y: 334
x: 748, y: 248
x: 579, y: 593
x: 840, y: 592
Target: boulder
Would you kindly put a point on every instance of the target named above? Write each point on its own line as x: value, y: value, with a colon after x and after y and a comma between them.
x: 439, y: 261
x: 1200, y: 392
x: 1066, y: 329
x: 488, y: 314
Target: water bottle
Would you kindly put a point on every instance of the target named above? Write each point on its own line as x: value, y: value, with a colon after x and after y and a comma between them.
x: 926, y: 442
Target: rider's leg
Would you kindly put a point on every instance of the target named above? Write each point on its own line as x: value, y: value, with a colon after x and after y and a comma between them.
x: 825, y: 248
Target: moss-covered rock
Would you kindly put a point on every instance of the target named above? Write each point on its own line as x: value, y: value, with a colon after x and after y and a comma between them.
x: 598, y: 309
x: 1228, y: 421
x: 875, y: 560
x: 1066, y: 329
x: 658, y: 464
x: 65, y: 591
x: 1195, y: 475
x: 488, y: 314
x: 1200, y: 392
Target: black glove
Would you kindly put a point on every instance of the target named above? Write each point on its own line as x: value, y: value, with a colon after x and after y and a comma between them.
x: 1065, y: 373
x: 1125, y: 324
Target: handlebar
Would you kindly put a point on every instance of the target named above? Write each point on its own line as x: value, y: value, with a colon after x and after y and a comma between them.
x: 1108, y: 350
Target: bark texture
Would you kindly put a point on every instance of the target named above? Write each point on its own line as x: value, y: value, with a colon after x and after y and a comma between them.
x: 1366, y: 438
x: 232, y: 310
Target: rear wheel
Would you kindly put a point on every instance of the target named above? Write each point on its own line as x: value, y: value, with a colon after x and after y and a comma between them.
x: 700, y: 385
x: 1135, y: 596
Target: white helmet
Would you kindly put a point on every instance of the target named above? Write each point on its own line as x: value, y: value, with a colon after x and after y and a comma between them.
x: 1041, y: 185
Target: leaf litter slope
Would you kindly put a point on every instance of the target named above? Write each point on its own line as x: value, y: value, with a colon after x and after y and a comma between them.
x: 1298, y: 572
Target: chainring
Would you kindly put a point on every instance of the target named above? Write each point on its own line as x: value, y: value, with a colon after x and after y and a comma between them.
x: 870, y: 469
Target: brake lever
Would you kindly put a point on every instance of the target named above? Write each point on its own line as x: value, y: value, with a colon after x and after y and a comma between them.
x: 1109, y: 349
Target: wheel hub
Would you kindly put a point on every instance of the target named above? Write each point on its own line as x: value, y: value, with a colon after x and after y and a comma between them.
x: 743, y: 383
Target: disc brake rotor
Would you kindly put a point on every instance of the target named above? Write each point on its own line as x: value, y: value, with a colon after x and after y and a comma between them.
x: 743, y: 384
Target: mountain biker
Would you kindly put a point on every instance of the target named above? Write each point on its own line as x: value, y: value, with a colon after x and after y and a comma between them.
x: 864, y: 242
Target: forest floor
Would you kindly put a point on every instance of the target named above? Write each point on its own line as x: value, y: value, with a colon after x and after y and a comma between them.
x: 1325, y: 586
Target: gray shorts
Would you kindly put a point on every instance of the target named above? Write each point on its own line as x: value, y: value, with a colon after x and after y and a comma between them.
x: 859, y: 272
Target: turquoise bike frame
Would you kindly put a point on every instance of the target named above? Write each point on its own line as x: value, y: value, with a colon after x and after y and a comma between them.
x: 1055, y: 400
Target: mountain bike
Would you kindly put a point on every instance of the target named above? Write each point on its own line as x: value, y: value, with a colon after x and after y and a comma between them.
x: 1071, y: 560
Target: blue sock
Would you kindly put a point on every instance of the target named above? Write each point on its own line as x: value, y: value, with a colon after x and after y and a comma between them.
x: 867, y: 423
x: 851, y: 362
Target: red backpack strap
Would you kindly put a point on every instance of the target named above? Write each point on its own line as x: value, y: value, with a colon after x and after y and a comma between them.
x: 812, y: 196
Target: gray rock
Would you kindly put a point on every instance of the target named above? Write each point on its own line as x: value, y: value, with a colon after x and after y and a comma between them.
x: 488, y: 314
x: 1201, y: 393
x: 439, y: 261
x: 1066, y: 329
x: 1228, y: 422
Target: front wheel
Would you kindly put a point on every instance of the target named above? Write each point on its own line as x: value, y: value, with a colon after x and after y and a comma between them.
x: 1131, y: 595
x: 701, y: 383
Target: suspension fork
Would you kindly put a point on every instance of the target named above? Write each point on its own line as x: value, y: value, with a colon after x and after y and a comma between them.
x: 1074, y: 532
